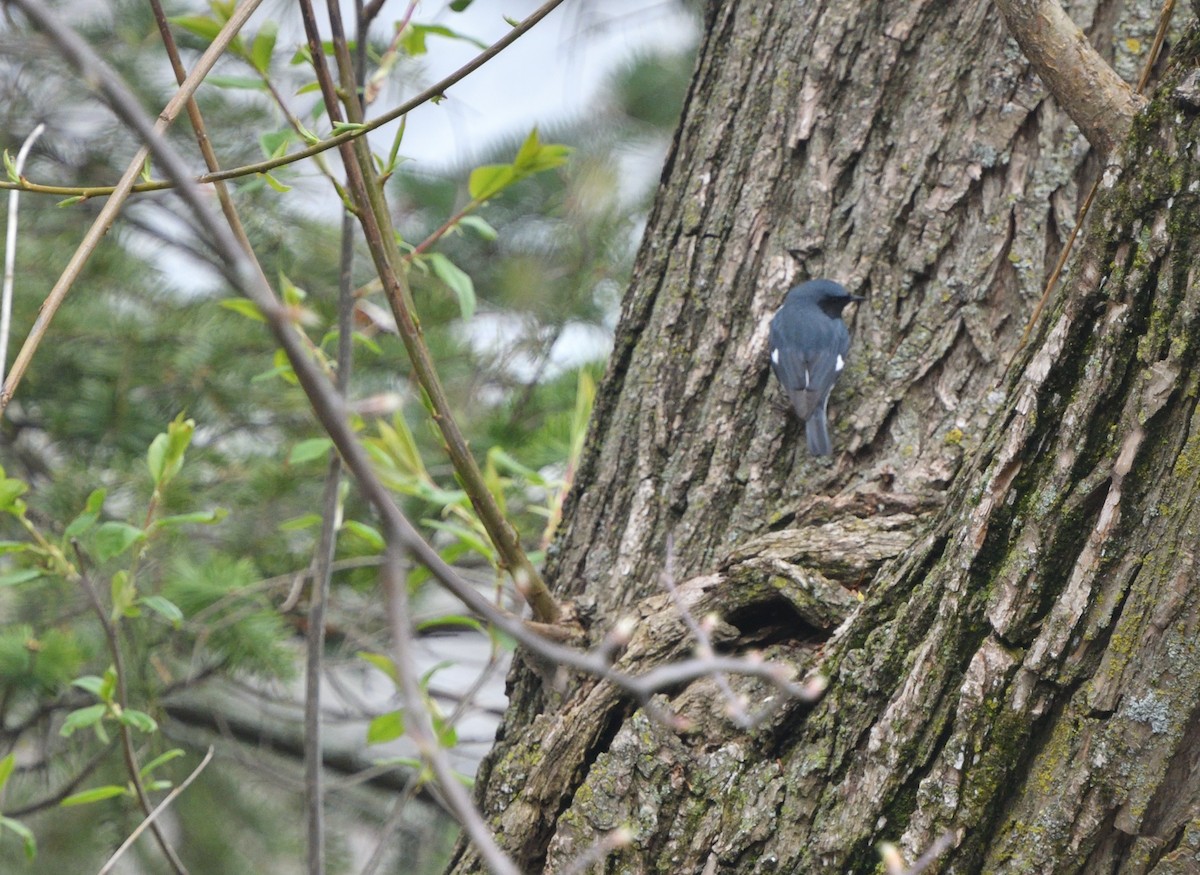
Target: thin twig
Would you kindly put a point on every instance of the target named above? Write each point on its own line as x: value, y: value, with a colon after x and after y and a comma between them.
x: 323, y: 564
x: 599, y: 849
x: 10, y: 249
x: 940, y: 845
x: 71, y: 45
x: 131, y: 762
x: 153, y: 816
x: 314, y: 668
x: 66, y: 789
x: 394, y: 819
x: 433, y: 92
x: 376, y: 221
x: 704, y: 648
x: 419, y: 724
x: 330, y: 410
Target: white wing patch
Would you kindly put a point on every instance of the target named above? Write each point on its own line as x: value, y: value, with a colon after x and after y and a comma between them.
x: 775, y: 356
x: 839, y: 364
x: 806, y: 378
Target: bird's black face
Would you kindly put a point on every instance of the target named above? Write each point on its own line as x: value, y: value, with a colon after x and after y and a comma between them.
x: 827, y: 295
x: 833, y: 305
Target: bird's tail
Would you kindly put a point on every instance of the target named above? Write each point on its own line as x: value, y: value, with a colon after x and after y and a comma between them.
x: 816, y: 429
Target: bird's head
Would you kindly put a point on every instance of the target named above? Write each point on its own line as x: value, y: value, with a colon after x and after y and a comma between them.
x: 831, y: 297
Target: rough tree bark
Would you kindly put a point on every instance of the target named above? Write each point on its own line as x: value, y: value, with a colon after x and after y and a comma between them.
x: 1023, y: 671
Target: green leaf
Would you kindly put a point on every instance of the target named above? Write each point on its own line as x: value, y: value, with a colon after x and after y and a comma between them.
x: 139, y: 720
x: 71, y: 201
x: 282, y: 372
x: 87, y: 519
x: 201, y: 25
x: 246, y: 83
x: 108, y: 685
x: 165, y: 456
x: 20, y: 575
x: 441, y: 665
x: 528, y: 150
x: 96, y: 794
x: 24, y: 832
x: 307, y: 450
x: 292, y: 295
x: 451, y: 620
x: 367, y: 533
x: 301, y: 522
x: 447, y: 735
x: 249, y: 309
x: 10, y: 490
x: 173, y: 753
x: 381, y: 662
x: 468, y: 537
x: 385, y: 727
x: 308, y: 88
x: 263, y: 46
x: 90, y: 682
x: 480, y: 226
x: 275, y: 183
x: 534, y: 156
x: 489, y: 180
x: 13, y: 547
x: 124, y: 594
x: 344, y: 127
x: 275, y: 143
x: 82, y: 718
x: 460, y: 5
x: 495, y: 484
x: 6, y: 769
x: 458, y: 281
x: 397, y: 439
x: 10, y: 169
x: 585, y: 398
x: 414, y: 37
x: 504, y: 461
x: 164, y: 607
x: 201, y: 517
x: 113, y: 538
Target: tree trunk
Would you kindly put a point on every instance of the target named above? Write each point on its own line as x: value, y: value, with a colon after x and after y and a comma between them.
x: 1022, y: 676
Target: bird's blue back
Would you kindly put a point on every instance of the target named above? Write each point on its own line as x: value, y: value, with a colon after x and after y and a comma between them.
x: 806, y: 346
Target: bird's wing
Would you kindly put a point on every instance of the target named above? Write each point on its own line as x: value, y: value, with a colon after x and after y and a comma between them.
x: 807, y: 367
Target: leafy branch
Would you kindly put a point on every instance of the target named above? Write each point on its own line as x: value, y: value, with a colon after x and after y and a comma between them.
x: 340, y: 137
x: 375, y: 218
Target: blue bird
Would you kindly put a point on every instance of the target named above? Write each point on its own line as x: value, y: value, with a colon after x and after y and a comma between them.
x: 809, y: 343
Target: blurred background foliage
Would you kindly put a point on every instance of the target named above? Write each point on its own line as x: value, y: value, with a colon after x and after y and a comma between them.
x: 141, y: 340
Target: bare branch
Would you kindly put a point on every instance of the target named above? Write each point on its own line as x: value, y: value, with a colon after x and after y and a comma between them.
x: 420, y: 726
x: 1083, y: 83
x: 375, y: 218
x: 330, y: 410
x: 75, y: 49
x: 153, y: 816
x: 131, y: 762
x: 433, y: 92
x: 10, y: 249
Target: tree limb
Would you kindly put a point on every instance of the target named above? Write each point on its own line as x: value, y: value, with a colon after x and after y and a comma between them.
x: 1083, y: 83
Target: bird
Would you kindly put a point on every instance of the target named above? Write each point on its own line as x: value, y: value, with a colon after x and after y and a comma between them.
x: 809, y: 343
